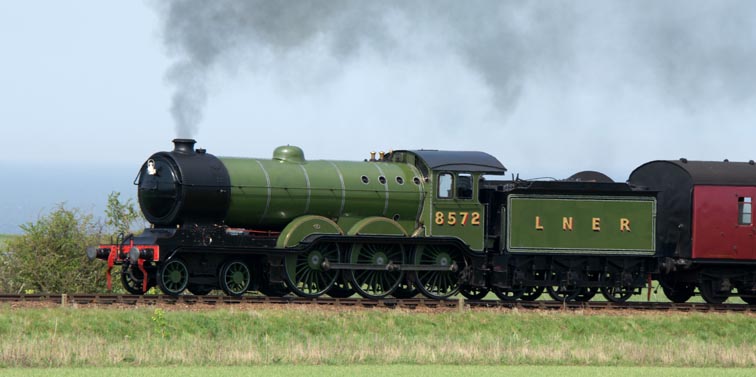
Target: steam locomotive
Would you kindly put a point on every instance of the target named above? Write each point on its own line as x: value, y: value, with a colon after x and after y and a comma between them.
x: 435, y: 223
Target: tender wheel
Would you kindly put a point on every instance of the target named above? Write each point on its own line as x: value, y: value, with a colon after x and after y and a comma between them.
x: 173, y: 277
x: 131, y: 279
x: 438, y: 285
x: 562, y: 293
x: 341, y: 289
x: 405, y: 290
x: 586, y: 294
x: 678, y: 292
x: 376, y: 283
x: 199, y: 290
x: 235, y: 278
x: 617, y: 294
x: 506, y: 294
x: 531, y: 293
x: 710, y: 292
x: 304, y: 273
x: 474, y: 293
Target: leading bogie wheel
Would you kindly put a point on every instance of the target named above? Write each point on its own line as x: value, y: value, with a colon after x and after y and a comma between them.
x: 173, y: 277
x: 305, y: 273
x: 235, y: 278
x: 132, y: 279
x: 371, y: 283
x: 443, y: 283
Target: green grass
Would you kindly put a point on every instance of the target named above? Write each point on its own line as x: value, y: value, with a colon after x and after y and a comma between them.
x: 54, y: 337
x: 380, y: 371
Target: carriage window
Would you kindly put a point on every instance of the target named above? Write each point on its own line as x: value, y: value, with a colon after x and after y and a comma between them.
x: 464, y: 186
x: 445, y: 185
x: 744, y: 210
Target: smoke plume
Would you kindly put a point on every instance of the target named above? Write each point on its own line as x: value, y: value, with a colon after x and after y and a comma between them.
x: 693, y: 52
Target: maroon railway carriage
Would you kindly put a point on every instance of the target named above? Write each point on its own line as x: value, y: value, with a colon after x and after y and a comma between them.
x: 706, y: 235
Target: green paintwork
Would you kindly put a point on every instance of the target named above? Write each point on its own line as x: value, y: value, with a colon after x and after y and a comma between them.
x: 377, y: 225
x: 289, y: 153
x: 268, y: 194
x: 522, y: 235
x: 304, y: 226
x: 472, y: 235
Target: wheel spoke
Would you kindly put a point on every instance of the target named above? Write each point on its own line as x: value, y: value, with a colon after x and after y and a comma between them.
x: 438, y: 284
x: 173, y: 277
x: 132, y: 279
x: 361, y: 274
x: 304, y: 274
x: 375, y: 283
x: 235, y: 278
x: 322, y: 279
x: 433, y: 287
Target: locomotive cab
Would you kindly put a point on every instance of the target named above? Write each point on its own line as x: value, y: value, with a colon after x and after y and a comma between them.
x: 452, y: 206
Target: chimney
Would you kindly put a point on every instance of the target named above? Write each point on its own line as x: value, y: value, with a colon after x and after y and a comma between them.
x: 184, y: 145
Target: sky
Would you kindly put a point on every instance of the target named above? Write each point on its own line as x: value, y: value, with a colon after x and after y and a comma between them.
x: 89, y: 89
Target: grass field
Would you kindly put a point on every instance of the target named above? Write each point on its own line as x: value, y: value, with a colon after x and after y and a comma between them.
x: 68, y: 337
x: 380, y: 371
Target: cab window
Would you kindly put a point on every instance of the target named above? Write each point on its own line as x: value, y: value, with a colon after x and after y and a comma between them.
x: 445, y: 185
x: 464, y: 186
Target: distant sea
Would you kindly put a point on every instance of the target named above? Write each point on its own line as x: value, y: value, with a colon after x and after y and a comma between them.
x: 31, y: 190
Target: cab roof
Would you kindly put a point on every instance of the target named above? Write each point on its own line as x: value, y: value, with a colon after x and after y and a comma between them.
x: 460, y: 161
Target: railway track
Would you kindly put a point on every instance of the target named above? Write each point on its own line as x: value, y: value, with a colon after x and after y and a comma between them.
x: 413, y: 303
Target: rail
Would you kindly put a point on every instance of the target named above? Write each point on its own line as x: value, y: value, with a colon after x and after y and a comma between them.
x: 411, y: 303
